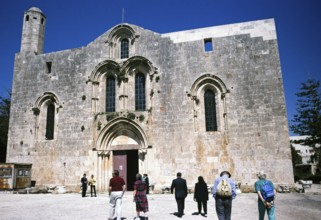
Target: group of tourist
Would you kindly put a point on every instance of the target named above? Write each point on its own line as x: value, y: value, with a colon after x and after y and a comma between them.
x: 224, y: 191
x: 91, y: 183
x: 117, y: 189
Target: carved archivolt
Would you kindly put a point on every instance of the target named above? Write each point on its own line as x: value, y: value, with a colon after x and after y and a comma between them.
x: 120, y: 32
x: 214, y: 83
x: 208, y: 79
x: 122, y: 72
x: 106, y: 66
x: 117, y: 127
x: 137, y: 64
x: 39, y: 111
x: 47, y: 96
x: 132, y: 65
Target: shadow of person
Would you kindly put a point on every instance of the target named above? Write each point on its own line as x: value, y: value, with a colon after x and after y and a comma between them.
x: 141, y: 218
x: 176, y: 214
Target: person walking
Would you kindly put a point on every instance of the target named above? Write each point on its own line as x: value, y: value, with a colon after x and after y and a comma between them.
x: 92, y: 184
x: 201, y: 195
x: 180, y: 186
x: 116, y: 190
x: 140, y: 197
x: 146, y: 180
x: 224, y: 191
x: 266, y: 195
x: 84, y: 183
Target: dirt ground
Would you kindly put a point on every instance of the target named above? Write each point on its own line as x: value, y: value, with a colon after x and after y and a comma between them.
x: 289, y: 206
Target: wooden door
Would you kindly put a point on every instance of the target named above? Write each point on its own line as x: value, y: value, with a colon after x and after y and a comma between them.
x: 120, y: 163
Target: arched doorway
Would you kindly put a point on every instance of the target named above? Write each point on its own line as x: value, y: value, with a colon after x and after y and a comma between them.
x: 118, y: 146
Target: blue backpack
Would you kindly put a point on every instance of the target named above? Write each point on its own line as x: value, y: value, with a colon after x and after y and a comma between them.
x: 267, y: 191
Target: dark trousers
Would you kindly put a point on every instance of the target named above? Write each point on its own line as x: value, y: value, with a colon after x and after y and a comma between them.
x: 92, y: 189
x: 84, y: 189
x: 199, y: 205
x: 223, y: 208
x: 180, y: 205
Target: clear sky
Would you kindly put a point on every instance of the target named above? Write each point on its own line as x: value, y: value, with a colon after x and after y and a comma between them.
x: 75, y: 23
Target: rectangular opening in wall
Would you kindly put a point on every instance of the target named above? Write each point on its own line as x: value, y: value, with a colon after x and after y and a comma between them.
x: 49, y: 67
x: 208, y: 45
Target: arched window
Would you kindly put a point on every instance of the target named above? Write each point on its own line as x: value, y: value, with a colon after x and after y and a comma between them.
x: 140, y: 102
x: 210, y: 110
x: 50, y: 122
x: 110, y: 94
x: 124, y: 49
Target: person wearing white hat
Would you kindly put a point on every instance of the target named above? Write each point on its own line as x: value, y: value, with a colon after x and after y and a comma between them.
x: 266, y: 195
x: 224, y: 191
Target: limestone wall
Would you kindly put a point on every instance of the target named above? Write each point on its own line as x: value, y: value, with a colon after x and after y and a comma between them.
x: 244, y: 68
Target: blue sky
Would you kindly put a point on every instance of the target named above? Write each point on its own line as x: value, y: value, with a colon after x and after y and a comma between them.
x: 75, y: 23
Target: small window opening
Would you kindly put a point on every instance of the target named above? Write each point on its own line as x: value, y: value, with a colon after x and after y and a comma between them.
x: 50, y: 122
x: 210, y: 111
x: 49, y: 67
x: 140, y: 101
x: 124, y: 49
x: 35, y: 18
x: 110, y: 94
x: 42, y: 20
x: 27, y: 18
x: 208, y: 45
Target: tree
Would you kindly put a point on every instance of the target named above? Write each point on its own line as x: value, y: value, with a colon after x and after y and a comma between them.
x: 296, y: 158
x: 308, y: 119
x: 4, y: 126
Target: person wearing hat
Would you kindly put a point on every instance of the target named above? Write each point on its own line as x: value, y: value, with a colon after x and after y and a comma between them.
x: 224, y: 191
x: 267, y: 203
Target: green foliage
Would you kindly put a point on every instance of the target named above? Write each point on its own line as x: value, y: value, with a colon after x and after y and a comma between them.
x: 131, y: 116
x: 307, y: 121
x: 4, y: 126
x: 141, y: 118
x: 99, y: 125
x: 296, y: 158
x: 318, y: 160
x: 111, y: 115
x: 36, y: 111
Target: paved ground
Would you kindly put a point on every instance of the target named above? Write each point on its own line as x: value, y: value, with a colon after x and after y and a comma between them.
x: 290, y: 206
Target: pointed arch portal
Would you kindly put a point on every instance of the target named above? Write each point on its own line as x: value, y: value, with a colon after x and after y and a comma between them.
x: 119, y: 146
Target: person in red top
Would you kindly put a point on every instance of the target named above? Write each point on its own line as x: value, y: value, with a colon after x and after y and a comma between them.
x: 116, y: 190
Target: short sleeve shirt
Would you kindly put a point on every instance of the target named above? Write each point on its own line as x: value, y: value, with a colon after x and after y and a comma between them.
x: 259, y: 184
x: 116, y: 183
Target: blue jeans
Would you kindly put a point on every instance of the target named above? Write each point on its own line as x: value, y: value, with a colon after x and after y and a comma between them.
x: 223, y: 208
x: 270, y: 211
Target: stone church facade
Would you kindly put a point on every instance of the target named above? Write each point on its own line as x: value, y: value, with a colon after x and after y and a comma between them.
x: 197, y: 101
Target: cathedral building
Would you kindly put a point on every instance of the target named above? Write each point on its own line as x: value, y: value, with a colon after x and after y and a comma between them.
x: 198, y: 102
